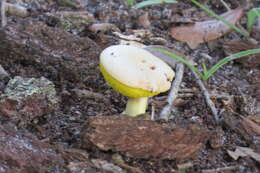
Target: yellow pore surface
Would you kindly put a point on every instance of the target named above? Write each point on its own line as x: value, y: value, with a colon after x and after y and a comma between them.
x: 124, y: 89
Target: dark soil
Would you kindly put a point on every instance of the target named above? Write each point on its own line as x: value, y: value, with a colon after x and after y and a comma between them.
x: 40, y: 45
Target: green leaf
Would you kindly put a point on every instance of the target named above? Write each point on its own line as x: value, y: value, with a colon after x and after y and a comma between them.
x: 130, y: 2
x: 208, y: 73
x: 152, y: 2
x: 180, y: 59
x: 228, y: 59
x: 205, y: 70
x: 251, y: 17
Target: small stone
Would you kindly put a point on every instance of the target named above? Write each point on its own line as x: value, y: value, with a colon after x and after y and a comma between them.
x: 27, y: 98
x: 3, y: 73
x: 70, y: 21
x: 22, y: 152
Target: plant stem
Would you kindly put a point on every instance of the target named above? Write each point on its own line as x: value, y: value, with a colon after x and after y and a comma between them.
x: 3, y: 13
x: 173, y: 94
x: 136, y: 106
x: 205, y: 92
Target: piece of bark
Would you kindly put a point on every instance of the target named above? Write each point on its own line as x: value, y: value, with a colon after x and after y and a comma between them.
x: 143, y: 138
x: 41, y: 50
x: 103, y: 27
x: 217, y: 139
x: 243, y: 152
x: 144, y: 21
x: 22, y: 152
x: 201, y: 32
x: 251, y: 125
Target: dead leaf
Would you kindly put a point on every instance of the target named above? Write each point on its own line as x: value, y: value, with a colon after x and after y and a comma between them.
x: 243, y: 152
x: 103, y: 27
x: 251, y: 126
x: 235, y: 46
x: 143, y: 138
x: 143, y: 20
x: 200, y: 32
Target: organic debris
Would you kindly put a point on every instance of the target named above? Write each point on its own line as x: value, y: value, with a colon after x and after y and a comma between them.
x: 27, y: 98
x: 235, y: 46
x: 247, y: 127
x: 143, y: 138
x: 103, y: 27
x: 23, y: 152
x: 243, y: 152
x: 53, y: 40
x: 201, y: 32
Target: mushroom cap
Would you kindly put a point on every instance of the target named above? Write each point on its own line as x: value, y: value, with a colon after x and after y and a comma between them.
x: 131, y: 69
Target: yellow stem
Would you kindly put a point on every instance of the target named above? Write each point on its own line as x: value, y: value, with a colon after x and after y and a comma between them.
x: 136, y: 106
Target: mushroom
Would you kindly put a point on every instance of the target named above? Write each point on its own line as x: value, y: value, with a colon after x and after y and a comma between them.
x: 135, y: 73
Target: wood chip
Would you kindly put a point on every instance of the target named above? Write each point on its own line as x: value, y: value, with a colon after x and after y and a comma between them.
x: 143, y: 138
x: 103, y: 27
x: 243, y: 152
x: 143, y: 20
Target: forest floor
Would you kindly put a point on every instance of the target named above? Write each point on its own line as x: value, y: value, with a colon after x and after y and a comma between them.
x: 61, y: 41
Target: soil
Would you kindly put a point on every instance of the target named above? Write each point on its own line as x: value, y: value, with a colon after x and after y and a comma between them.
x: 41, y: 45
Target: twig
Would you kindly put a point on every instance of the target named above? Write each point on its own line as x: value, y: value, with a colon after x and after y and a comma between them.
x: 153, y: 113
x: 3, y: 11
x: 188, y: 90
x: 225, y: 5
x: 165, y: 113
x: 16, y: 10
x: 185, y: 95
x: 228, y: 168
x: 207, y: 96
x: 204, y: 55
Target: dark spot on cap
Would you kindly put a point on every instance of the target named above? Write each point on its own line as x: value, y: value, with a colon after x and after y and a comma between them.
x: 152, y: 67
x: 112, y: 53
x: 143, y: 61
x: 168, y: 79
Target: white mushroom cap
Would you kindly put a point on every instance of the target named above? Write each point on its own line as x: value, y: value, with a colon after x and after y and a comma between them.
x: 137, y: 68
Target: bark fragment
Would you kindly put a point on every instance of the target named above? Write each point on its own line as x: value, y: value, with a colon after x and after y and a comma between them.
x: 143, y: 138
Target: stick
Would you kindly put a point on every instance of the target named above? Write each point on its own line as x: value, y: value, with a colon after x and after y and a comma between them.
x: 16, y: 10
x: 207, y: 96
x: 3, y: 16
x: 165, y: 113
x: 225, y: 5
x: 229, y: 168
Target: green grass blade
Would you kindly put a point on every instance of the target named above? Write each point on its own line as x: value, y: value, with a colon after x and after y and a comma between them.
x: 180, y: 59
x: 130, y: 2
x: 152, y: 2
x: 251, y: 17
x: 205, y: 70
x: 228, y: 59
x: 212, y: 13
